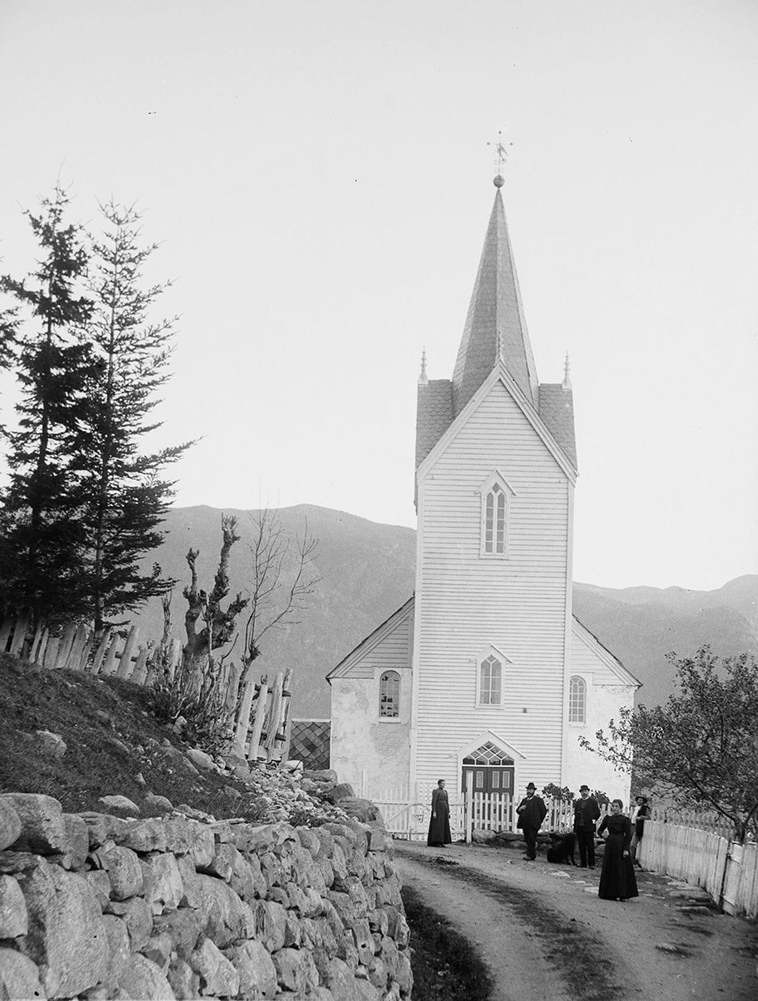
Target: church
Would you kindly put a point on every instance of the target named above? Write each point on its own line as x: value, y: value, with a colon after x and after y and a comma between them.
x: 484, y: 677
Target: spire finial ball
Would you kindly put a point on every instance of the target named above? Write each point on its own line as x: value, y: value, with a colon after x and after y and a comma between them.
x: 499, y: 181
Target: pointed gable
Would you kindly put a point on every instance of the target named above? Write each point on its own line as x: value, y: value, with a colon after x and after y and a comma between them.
x: 495, y: 324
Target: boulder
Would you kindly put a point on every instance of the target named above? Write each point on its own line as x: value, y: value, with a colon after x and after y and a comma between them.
x: 52, y: 745
x: 19, y: 976
x: 138, y: 917
x: 78, y: 843
x: 120, y: 805
x: 66, y: 937
x: 43, y: 829
x: 360, y: 809
x: 124, y: 871
x: 225, y: 917
x: 163, y: 888
x: 10, y: 824
x: 185, y: 983
x: 218, y: 976
x: 257, y: 973
x: 13, y: 916
x: 157, y: 804
x: 296, y: 970
x: 343, y: 790
x: 142, y: 979
x: 201, y: 760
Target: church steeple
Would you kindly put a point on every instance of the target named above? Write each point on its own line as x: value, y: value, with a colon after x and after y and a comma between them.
x: 495, y: 325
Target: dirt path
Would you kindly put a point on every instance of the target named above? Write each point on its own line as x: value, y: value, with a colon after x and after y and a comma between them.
x: 544, y: 933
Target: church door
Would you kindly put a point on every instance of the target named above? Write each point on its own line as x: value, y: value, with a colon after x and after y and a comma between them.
x: 488, y: 779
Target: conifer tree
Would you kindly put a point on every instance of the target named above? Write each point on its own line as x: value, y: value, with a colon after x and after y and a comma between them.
x: 40, y: 537
x: 125, y: 486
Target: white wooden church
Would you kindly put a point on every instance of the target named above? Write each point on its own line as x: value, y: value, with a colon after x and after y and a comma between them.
x: 485, y: 677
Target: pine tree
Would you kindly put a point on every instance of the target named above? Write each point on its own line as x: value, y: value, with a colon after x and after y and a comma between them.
x: 127, y: 492
x: 40, y: 548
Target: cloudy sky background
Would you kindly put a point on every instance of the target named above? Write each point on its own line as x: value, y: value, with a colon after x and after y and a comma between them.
x: 318, y: 175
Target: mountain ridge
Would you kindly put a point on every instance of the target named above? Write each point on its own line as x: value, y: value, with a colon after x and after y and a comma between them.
x: 368, y: 572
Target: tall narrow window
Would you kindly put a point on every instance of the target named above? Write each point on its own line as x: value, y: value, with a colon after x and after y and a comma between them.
x: 577, y: 700
x: 496, y: 495
x: 389, y: 695
x: 490, y: 681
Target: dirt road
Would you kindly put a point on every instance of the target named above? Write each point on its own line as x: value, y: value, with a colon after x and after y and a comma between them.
x: 544, y: 933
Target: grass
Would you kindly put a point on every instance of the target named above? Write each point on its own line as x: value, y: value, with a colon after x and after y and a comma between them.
x: 445, y: 968
x: 114, y: 745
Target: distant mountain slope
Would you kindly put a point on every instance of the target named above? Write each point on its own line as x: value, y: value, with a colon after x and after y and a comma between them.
x: 640, y: 625
x: 367, y: 572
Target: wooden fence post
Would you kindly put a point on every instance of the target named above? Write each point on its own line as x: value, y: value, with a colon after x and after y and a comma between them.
x: 6, y: 629
x: 140, y: 666
x: 79, y: 648
x: 125, y: 663
x: 109, y: 663
x: 260, y: 715
x: 64, y: 646
x: 19, y: 635
x: 97, y: 660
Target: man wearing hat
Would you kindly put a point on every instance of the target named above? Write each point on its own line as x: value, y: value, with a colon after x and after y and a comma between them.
x: 586, y: 812
x: 531, y: 812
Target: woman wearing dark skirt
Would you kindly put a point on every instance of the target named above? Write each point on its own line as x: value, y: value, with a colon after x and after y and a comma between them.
x: 617, y: 880
x: 439, y: 824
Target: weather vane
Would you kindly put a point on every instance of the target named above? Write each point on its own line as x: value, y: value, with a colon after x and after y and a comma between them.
x: 501, y: 153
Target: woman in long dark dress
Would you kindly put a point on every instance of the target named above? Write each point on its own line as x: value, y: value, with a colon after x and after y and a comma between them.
x: 617, y: 880
x: 439, y: 823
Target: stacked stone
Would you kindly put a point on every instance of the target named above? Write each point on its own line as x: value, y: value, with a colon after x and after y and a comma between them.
x: 94, y: 906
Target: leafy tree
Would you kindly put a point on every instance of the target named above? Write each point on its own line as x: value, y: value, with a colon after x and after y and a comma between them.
x: 127, y: 495
x: 39, y: 511
x: 703, y: 744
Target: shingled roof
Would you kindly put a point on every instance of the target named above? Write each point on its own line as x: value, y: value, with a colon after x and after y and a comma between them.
x: 434, y: 414
x: 495, y: 323
x: 495, y: 332
x: 556, y: 406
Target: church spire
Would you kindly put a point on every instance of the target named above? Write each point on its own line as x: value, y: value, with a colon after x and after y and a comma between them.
x: 495, y: 325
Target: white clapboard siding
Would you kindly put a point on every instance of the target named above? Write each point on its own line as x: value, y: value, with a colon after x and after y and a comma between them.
x: 520, y: 604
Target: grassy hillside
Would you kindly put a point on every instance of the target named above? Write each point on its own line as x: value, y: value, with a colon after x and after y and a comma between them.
x: 367, y: 572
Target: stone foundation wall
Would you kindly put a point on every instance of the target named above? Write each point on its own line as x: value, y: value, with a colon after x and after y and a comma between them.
x: 94, y: 906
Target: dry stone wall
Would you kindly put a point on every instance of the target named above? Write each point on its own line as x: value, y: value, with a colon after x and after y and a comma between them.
x: 95, y: 906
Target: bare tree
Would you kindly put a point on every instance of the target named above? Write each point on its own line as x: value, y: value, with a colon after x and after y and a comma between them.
x: 219, y: 623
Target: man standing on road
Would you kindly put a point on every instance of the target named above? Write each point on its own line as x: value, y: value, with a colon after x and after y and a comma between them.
x: 531, y: 812
x: 586, y: 812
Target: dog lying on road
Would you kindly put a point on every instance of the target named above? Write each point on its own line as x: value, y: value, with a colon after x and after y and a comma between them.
x: 561, y: 848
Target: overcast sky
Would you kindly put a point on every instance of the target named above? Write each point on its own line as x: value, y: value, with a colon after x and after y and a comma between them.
x: 318, y: 175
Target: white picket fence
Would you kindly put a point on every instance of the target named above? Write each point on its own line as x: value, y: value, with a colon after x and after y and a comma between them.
x: 727, y: 871
x: 407, y: 811
x: 696, y: 851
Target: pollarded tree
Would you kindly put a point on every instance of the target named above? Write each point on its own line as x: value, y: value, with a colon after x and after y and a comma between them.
x: 40, y: 551
x: 126, y: 491
x: 703, y: 744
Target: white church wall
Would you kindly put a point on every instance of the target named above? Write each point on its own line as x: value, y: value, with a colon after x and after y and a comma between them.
x: 466, y: 602
x: 370, y: 753
x: 603, y: 704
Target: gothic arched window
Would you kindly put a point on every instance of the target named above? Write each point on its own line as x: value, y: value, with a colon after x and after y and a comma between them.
x: 577, y: 700
x: 490, y: 681
x: 389, y: 695
x: 496, y: 495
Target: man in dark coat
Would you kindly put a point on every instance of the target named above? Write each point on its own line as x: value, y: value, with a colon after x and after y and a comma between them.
x: 586, y: 812
x: 531, y: 812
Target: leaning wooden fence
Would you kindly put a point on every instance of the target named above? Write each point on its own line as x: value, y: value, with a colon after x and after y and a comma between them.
x: 260, y: 710
x: 727, y: 871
